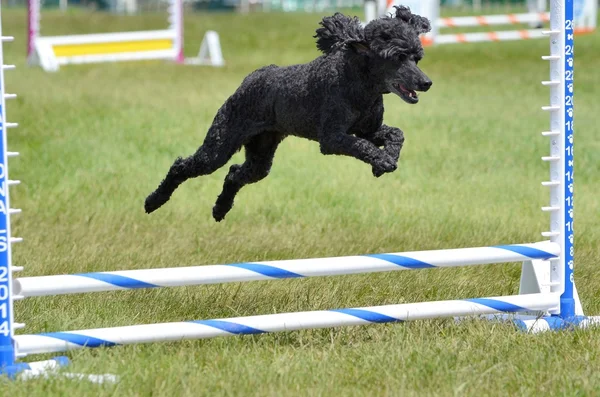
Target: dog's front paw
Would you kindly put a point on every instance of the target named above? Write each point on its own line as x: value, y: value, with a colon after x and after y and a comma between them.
x: 383, y: 166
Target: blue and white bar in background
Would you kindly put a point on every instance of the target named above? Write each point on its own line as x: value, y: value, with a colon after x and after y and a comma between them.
x: 63, y: 341
x: 237, y: 272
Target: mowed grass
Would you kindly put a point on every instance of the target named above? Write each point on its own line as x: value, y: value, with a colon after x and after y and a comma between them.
x: 96, y: 139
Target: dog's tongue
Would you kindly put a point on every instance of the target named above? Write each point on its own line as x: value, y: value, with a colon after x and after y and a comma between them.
x: 410, y: 93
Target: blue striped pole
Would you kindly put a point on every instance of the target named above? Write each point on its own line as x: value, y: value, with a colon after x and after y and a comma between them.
x: 250, y: 271
x: 107, y: 337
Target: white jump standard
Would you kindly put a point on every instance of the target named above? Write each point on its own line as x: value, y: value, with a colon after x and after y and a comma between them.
x: 547, y: 297
x: 50, y: 52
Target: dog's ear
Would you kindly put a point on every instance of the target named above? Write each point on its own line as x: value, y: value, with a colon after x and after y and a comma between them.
x: 419, y: 23
x: 340, y: 31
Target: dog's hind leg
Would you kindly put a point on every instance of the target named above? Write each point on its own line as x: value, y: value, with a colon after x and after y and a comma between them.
x: 260, y: 151
x: 218, y: 147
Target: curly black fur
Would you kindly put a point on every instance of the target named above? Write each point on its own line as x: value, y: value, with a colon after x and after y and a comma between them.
x: 337, y: 32
x: 336, y: 100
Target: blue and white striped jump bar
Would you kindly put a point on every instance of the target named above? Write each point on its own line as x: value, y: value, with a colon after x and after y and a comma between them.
x: 236, y: 272
x: 62, y: 341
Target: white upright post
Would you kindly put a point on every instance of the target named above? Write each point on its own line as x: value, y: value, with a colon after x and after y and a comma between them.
x: 370, y: 10
x: 561, y: 152
x: 33, y: 27
x: 176, y: 24
x: 8, y: 352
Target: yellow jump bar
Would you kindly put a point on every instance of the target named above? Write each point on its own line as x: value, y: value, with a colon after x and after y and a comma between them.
x: 116, y: 47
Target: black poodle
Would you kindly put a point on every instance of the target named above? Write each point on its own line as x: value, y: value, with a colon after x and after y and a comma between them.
x: 336, y: 100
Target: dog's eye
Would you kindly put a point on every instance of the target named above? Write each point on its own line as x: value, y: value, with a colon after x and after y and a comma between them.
x: 385, y: 36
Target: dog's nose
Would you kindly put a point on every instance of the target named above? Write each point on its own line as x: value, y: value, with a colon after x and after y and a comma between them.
x: 426, y: 85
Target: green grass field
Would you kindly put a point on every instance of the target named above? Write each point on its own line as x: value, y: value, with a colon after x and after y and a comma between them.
x: 96, y: 139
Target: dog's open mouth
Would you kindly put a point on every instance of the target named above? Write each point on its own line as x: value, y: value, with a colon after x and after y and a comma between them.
x: 409, y: 96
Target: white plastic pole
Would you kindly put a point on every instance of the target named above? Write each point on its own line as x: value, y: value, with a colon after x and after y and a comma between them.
x: 62, y: 341
x: 197, y: 275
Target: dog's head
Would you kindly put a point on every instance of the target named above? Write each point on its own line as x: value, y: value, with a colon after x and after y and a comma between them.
x: 391, y: 44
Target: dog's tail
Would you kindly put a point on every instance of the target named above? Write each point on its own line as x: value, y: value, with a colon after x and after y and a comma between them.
x: 337, y: 31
